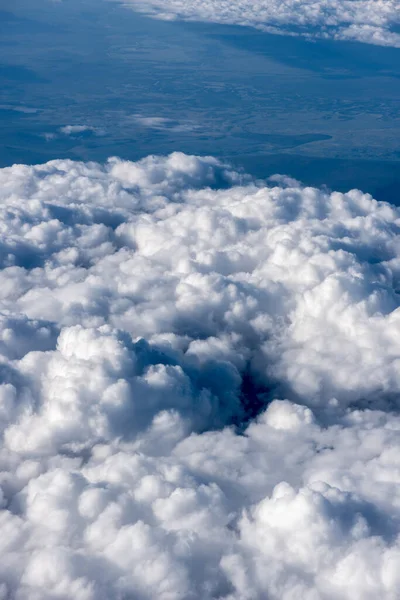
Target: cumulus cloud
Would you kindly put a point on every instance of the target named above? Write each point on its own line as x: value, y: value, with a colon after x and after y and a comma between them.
x: 200, y: 385
x: 368, y: 21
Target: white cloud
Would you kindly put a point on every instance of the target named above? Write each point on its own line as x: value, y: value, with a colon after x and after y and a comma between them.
x: 369, y: 21
x: 77, y: 129
x: 144, y: 309
x: 20, y: 109
x: 163, y: 124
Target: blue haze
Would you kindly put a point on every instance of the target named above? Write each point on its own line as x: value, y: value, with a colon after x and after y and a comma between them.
x: 324, y: 112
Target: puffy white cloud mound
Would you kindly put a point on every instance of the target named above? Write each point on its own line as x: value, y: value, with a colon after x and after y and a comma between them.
x: 148, y: 311
x: 367, y: 21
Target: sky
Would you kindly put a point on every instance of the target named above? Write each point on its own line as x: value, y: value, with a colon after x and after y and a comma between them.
x: 199, y: 368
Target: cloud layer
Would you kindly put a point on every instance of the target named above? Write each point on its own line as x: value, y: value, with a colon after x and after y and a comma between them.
x: 368, y: 21
x: 200, y: 385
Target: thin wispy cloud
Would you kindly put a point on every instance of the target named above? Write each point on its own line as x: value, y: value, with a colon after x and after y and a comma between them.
x: 162, y: 123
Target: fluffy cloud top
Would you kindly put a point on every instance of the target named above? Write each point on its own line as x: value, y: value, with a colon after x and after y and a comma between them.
x: 369, y: 21
x: 148, y: 312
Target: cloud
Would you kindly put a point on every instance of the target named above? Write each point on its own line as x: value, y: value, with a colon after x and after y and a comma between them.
x: 365, y: 21
x: 19, y: 109
x: 163, y: 124
x: 200, y: 385
x: 73, y: 131
x: 77, y: 129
